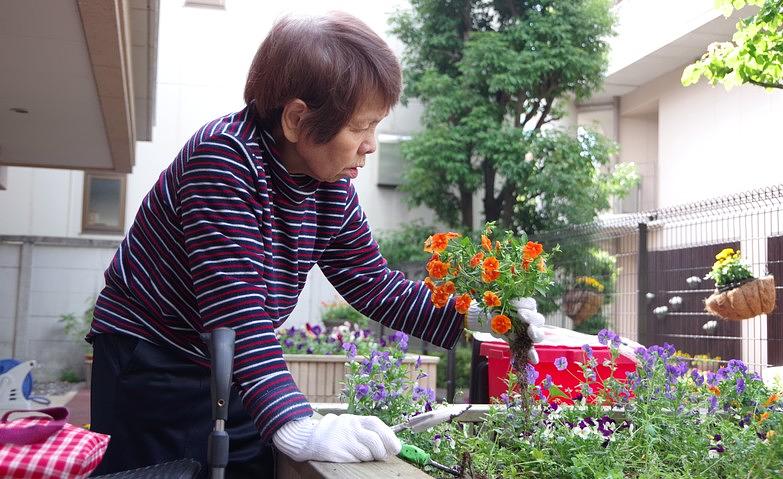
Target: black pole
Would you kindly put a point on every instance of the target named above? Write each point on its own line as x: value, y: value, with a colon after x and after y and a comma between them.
x: 643, y: 268
x: 451, y: 374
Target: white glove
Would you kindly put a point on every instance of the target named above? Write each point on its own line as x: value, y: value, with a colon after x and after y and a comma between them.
x: 526, y: 311
x: 343, y: 438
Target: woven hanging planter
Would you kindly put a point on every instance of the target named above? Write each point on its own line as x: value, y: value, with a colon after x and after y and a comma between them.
x: 579, y: 304
x: 743, y: 301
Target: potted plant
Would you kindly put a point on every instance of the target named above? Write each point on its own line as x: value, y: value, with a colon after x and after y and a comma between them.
x: 583, y: 300
x: 738, y: 295
x: 317, y: 357
x: 77, y: 326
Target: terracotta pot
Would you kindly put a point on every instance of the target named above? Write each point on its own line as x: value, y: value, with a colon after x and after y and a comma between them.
x: 746, y: 301
x: 580, y: 304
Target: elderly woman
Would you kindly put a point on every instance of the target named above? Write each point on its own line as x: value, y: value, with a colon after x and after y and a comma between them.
x: 226, y: 238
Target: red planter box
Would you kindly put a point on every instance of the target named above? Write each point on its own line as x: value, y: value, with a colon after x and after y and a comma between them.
x: 499, y: 362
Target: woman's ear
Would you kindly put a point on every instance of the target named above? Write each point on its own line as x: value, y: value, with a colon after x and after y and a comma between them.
x: 291, y: 120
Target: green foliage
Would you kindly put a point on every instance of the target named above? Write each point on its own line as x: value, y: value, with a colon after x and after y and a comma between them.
x: 69, y: 376
x: 592, y: 324
x: 754, y: 55
x: 339, y: 312
x: 464, y: 354
x: 77, y: 326
x: 491, y: 75
x: 404, y: 245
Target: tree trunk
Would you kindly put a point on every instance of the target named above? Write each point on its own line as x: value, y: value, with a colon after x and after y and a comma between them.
x: 466, y: 207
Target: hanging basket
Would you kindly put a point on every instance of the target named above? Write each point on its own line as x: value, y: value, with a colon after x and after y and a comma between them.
x: 743, y: 301
x: 579, y: 304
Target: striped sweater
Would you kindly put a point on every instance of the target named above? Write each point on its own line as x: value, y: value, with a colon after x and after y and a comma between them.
x: 225, y: 238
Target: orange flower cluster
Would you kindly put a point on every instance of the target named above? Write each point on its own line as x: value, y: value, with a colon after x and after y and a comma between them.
x: 437, y: 243
x: 493, y: 273
x: 530, y: 252
x: 500, y: 324
x: 490, y: 269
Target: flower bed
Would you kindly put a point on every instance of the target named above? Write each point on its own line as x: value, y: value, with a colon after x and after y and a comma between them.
x: 666, y: 420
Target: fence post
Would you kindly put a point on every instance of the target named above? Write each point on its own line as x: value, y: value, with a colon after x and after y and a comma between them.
x: 451, y: 374
x: 643, y: 269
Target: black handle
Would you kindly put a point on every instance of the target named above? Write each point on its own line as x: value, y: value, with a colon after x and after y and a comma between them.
x: 221, y: 347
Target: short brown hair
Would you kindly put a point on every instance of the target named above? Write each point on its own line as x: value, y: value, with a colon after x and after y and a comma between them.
x: 331, y: 63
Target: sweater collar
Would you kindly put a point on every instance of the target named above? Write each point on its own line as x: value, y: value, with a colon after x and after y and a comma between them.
x: 296, y: 187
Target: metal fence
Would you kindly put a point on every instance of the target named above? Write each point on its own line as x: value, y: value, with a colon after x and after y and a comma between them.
x: 653, y: 266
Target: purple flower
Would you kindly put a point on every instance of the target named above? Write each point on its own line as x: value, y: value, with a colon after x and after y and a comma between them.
x: 604, y: 336
x: 350, y: 348
x: 740, y: 385
x: 588, y: 350
x: 561, y: 363
x: 697, y: 377
x: 361, y: 390
x: 288, y: 343
x: 713, y: 404
x: 316, y: 329
x: 531, y: 373
x: 547, y: 382
x: 418, y: 363
x: 401, y: 339
x: 737, y: 366
x: 380, y: 393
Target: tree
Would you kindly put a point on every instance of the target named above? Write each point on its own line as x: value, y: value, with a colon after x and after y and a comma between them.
x: 754, y: 55
x: 493, y: 77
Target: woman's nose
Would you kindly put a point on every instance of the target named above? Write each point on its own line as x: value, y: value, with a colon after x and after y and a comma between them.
x: 368, y: 146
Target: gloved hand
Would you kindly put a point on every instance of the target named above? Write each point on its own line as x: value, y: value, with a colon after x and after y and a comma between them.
x: 343, y: 438
x: 526, y: 311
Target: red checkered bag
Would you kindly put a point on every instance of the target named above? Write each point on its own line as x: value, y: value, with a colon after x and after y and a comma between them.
x: 42, y: 448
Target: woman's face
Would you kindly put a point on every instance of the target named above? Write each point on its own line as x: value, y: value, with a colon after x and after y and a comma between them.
x: 343, y: 155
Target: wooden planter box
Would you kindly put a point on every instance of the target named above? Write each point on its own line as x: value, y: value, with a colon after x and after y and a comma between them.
x: 395, y: 467
x: 320, y: 377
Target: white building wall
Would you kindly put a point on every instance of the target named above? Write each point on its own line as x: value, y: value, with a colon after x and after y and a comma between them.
x: 710, y: 142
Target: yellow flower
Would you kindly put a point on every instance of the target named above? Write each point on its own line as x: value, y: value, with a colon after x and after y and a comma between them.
x: 724, y: 254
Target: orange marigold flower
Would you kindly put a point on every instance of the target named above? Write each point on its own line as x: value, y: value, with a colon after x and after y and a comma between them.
x: 500, y: 324
x: 491, y: 299
x: 463, y: 303
x: 429, y: 284
x: 476, y: 259
x: 491, y: 264
x: 532, y: 250
x: 486, y: 243
x: 440, y: 298
x: 437, y: 268
x: 541, y: 265
x: 448, y: 288
x: 438, y: 242
x: 763, y: 416
x: 490, y: 275
x: 714, y: 390
x: 526, y: 264
x: 772, y: 399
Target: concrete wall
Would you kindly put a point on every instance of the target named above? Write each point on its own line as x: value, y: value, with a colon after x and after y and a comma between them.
x: 59, y: 276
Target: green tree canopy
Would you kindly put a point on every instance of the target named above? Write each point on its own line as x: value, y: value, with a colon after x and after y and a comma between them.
x: 754, y: 55
x: 494, y: 77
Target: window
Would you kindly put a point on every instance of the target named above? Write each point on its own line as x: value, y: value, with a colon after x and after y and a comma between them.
x: 390, y: 161
x: 104, y: 203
